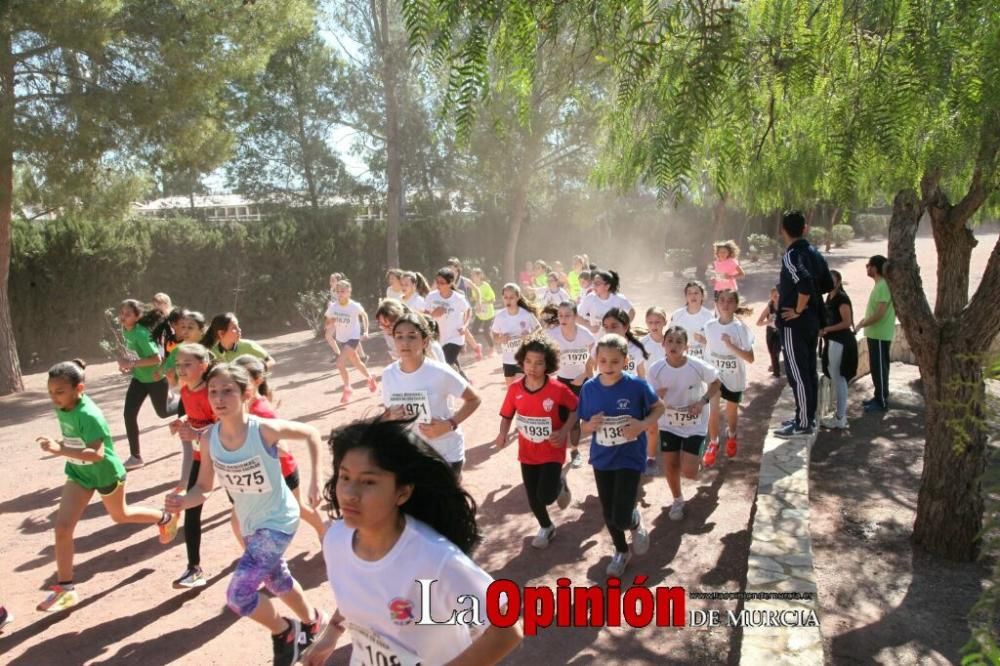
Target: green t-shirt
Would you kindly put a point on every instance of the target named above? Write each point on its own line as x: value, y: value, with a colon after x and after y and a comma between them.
x: 484, y: 310
x: 81, y: 426
x: 140, y: 343
x: 573, y: 281
x: 242, y: 347
x: 542, y: 280
x: 884, y: 328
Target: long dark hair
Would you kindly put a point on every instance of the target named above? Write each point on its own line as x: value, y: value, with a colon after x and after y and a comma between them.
x: 522, y: 303
x: 220, y: 323
x: 610, y: 277
x: 437, y: 498
x: 622, y: 316
x: 148, y: 317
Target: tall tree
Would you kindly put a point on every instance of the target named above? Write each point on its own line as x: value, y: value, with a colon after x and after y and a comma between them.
x: 913, y: 91
x: 113, y: 84
x: 290, y: 112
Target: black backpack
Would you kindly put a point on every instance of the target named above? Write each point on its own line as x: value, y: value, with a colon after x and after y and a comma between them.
x: 820, y: 272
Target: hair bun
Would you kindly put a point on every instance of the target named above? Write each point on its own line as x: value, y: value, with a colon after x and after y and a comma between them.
x: 80, y: 362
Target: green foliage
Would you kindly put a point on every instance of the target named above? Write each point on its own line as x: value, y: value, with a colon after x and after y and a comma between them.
x: 762, y: 244
x: 311, y: 306
x: 872, y: 226
x: 678, y: 259
x: 842, y: 234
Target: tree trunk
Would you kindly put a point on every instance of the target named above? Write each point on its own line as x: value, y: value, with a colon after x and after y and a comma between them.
x: 829, y: 229
x: 393, y: 155
x: 305, y: 145
x: 518, y: 213
x: 949, y: 345
x: 10, y: 367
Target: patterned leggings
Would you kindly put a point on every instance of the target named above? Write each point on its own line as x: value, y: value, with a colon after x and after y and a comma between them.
x: 262, y: 562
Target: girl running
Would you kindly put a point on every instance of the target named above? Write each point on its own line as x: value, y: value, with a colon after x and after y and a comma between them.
x: 726, y: 267
x: 240, y: 450
x: 585, y: 285
x: 527, y: 276
x: 335, y: 279
x: 91, y: 464
x: 452, y: 312
x: 394, y: 287
x: 261, y: 407
x: 768, y: 317
x: 576, y: 363
x: 693, y: 317
x: 729, y: 347
x: 686, y: 385
x: 415, y: 289
x: 652, y: 342
x: 416, y: 387
x: 605, y: 296
x: 616, y: 409
x: 162, y: 303
x: 485, y: 312
x: 554, y: 294
x: 512, y: 324
x: 404, y: 518
x: 192, y: 364
x: 618, y: 322
x: 142, y: 359
x: 573, y: 277
x: 544, y: 411
x: 226, y: 342
x: 389, y: 310
x: 351, y: 325
x: 467, y: 288
x: 190, y: 329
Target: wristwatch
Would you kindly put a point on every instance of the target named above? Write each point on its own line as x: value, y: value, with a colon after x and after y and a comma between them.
x: 454, y: 424
x: 706, y: 399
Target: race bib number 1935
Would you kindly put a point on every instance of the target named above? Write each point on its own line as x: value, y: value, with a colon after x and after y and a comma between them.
x: 536, y: 429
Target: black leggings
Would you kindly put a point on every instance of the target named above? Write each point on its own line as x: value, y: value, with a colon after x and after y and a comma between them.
x: 192, y: 522
x: 878, y: 361
x: 451, y: 352
x: 158, y: 393
x: 542, y: 483
x: 484, y: 328
x: 774, y: 349
x: 618, y: 490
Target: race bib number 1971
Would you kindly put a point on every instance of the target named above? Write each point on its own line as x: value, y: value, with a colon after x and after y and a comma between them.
x: 612, y: 431
x: 415, y: 403
x: 373, y: 649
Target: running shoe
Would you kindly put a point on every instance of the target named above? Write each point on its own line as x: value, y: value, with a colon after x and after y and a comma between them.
x: 833, y: 423
x: 345, y: 397
x: 191, y: 578
x: 732, y: 446
x: 677, y: 509
x: 652, y: 469
x: 133, y: 462
x: 544, y: 537
x: 640, y: 536
x: 565, y: 495
x: 59, y: 599
x: 575, y: 459
x: 618, y: 563
x: 791, y: 431
x: 6, y: 617
x: 311, y: 631
x: 710, y: 453
x: 875, y: 407
x: 286, y: 644
x: 169, y: 530
x: 372, y: 384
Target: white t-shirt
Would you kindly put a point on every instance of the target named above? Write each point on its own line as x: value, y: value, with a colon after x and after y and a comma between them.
x: 731, y: 368
x: 382, y: 601
x: 516, y: 326
x: 346, y: 320
x: 437, y: 352
x: 693, y: 323
x: 425, y: 394
x: 454, y: 317
x: 548, y: 297
x: 635, y: 360
x: 415, y: 302
x: 573, y: 356
x: 593, y: 309
x: 654, y: 348
x: 393, y: 293
x: 684, y: 385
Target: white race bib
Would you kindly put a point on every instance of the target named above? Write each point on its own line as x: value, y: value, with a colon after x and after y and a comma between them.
x: 696, y: 351
x: 536, y: 429
x: 77, y: 445
x: 728, y: 366
x: 678, y: 418
x: 414, y: 403
x: 246, y: 477
x: 630, y: 366
x: 511, y: 346
x: 574, y: 358
x: 612, y: 431
x: 373, y: 649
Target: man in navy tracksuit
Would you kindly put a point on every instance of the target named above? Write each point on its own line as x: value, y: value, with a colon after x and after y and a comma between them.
x: 804, y: 274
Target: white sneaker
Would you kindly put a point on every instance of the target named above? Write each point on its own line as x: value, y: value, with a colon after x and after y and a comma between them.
x: 833, y: 423
x: 640, y: 537
x: 544, y: 537
x: 565, y: 495
x: 677, y: 509
x: 133, y: 462
x: 618, y: 563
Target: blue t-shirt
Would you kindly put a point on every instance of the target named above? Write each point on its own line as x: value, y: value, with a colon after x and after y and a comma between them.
x: 629, y: 396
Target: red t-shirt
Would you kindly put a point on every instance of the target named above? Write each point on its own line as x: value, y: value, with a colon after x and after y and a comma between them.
x: 535, y: 414
x: 198, y: 410
x: 262, y: 408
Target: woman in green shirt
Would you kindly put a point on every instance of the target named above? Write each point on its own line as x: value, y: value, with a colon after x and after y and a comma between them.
x: 879, y: 326
x: 484, y: 308
x: 225, y: 340
x: 141, y: 357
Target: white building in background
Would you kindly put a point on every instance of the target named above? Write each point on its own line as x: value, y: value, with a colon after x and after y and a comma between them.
x: 211, y: 207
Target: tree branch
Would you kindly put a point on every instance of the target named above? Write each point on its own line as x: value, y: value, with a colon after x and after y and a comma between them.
x: 903, y: 274
x: 980, y: 320
x: 983, y: 176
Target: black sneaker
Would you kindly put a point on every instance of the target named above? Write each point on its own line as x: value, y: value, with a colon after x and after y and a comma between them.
x: 311, y: 631
x: 793, y: 431
x: 287, y: 645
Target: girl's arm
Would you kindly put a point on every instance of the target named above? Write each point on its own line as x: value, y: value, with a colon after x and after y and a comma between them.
x: 640, y: 369
x: 846, y: 320
x: 470, y: 403
x: 200, y: 491
x: 739, y: 274
x: 324, y: 645
x: 439, y: 427
x: 93, y: 452
x: 149, y: 361
x: 364, y: 324
x: 501, y: 440
x: 876, y: 316
x: 765, y: 314
x: 745, y: 355
x: 274, y: 430
x: 490, y: 647
x: 560, y: 435
x: 589, y: 427
x: 588, y: 371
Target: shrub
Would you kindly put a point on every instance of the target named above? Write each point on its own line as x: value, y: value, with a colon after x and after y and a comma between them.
x: 678, y: 259
x: 762, y: 244
x: 818, y: 236
x: 311, y: 306
x: 842, y: 234
x: 872, y: 226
